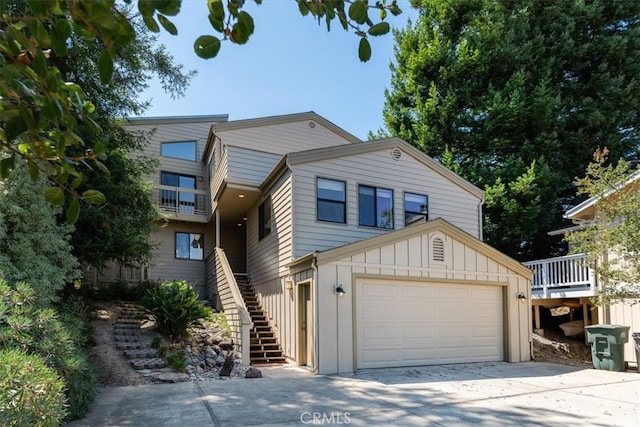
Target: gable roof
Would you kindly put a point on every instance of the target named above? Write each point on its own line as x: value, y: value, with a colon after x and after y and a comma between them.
x: 319, y: 154
x: 286, y: 118
x: 586, y: 209
x: 437, y: 224
x: 176, y: 119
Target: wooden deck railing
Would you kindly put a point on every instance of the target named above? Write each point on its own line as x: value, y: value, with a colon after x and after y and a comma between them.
x: 233, y: 306
x: 567, y: 276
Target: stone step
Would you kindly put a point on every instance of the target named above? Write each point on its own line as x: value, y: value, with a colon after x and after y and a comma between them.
x: 154, y: 363
x: 130, y: 326
x: 126, y: 331
x: 122, y: 321
x: 144, y: 353
x: 126, y: 338
x: 131, y: 345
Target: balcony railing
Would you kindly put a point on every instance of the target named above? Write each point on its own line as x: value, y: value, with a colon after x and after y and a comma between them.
x: 182, y: 202
x: 567, y: 276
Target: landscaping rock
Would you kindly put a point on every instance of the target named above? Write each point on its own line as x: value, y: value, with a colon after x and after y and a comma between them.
x: 226, y: 345
x: 253, y: 373
x: 227, y: 367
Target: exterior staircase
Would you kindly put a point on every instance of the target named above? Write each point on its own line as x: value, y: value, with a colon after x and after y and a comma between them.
x: 265, y: 348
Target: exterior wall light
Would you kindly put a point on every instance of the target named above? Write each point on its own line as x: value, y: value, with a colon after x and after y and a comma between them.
x: 521, y: 297
x: 340, y: 291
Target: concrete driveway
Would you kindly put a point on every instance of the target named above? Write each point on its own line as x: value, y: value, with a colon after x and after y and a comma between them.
x: 479, y: 394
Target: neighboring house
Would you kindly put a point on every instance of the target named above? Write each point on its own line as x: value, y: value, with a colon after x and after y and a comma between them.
x: 349, y: 254
x: 569, y: 281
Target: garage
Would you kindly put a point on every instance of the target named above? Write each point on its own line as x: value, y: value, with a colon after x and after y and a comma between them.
x: 424, y: 295
x: 410, y: 323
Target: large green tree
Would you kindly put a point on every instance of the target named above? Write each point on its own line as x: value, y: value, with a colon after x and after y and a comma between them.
x: 34, y: 247
x: 516, y: 95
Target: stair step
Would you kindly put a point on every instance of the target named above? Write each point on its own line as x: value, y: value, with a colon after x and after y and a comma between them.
x: 265, y: 353
x: 267, y: 360
x: 264, y: 347
x: 155, y: 363
x: 144, y: 353
x: 131, y: 345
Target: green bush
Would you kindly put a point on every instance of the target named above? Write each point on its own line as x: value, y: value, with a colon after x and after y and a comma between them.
x: 119, y: 290
x: 221, y: 320
x: 31, y: 394
x: 175, y: 307
x: 58, y: 338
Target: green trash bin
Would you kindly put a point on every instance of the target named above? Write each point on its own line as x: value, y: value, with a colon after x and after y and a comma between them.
x: 607, y: 346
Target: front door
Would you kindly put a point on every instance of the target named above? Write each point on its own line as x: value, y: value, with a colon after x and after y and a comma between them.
x: 305, y: 332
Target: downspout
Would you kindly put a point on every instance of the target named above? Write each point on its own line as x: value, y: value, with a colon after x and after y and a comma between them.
x: 480, y: 219
x: 316, y: 328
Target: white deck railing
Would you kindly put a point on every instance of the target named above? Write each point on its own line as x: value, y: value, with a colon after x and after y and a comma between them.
x: 567, y: 276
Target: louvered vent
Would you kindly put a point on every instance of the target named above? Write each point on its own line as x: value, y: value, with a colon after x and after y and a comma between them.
x: 438, y: 249
x: 396, y: 153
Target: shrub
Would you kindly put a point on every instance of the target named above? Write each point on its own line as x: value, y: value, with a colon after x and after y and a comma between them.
x: 221, y: 320
x: 57, y: 338
x: 175, y: 307
x: 177, y: 361
x: 31, y: 394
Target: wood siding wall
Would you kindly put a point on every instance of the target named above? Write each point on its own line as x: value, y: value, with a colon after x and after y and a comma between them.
x: 247, y: 166
x: 282, y: 138
x: 378, y: 169
x: 166, y: 267
x: 267, y: 258
x: 625, y: 314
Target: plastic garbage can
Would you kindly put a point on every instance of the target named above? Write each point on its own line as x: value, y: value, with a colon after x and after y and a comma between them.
x: 636, y: 339
x: 607, y: 346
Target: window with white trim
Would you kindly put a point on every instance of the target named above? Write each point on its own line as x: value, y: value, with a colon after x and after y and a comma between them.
x: 416, y: 208
x: 185, y: 150
x: 264, y: 219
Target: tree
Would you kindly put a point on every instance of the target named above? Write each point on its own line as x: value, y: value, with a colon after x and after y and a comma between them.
x: 518, y: 94
x: 612, y: 239
x: 34, y: 248
x: 118, y: 230
x: 40, y: 111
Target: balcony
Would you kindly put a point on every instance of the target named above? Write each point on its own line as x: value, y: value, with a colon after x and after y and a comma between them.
x: 562, y: 277
x: 182, y: 203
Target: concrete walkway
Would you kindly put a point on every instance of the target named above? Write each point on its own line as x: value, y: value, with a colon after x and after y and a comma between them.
x: 470, y: 394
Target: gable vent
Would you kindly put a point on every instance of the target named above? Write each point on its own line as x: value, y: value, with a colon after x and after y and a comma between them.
x: 438, y: 249
x: 396, y: 153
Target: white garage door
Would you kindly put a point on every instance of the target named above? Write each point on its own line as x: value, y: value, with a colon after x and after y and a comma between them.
x: 404, y: 323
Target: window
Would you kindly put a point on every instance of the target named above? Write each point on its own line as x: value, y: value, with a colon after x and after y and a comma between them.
x: 375, y: 206
x: 179, y: 150
x: 416, y: 207
x: 264, y: 219
x: 331, y: 203
x: 182, y: 201
x: 189, y: 246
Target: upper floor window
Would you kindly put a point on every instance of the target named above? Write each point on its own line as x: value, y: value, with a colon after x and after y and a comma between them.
x: 264, y: 219
x: 416, y: 208
x: 331, y: 203
x: 189, y: 246
x: 375, y: 207
x: 185, y: 150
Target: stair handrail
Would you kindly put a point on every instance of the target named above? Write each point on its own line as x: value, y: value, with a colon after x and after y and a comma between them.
x: 240, y: 306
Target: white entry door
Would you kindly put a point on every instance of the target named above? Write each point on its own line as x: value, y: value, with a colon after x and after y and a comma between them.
x: 409, y: 323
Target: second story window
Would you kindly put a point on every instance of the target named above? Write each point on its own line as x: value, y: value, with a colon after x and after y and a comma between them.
x: 179, y: 201
x: 375, y: 207
x: 416, y: 208
x: 264, y: 219
x: 331, y: 200
x: 185, y: 150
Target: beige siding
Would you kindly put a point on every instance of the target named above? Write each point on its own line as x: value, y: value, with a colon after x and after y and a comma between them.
x: 250, y: 166
x: 625, y: 314
x: 166, y: 267
x: 267, y: 258
x: 282, y: 138
x: 235, y: 246
x: 410, y: 259
x: 378, y: 169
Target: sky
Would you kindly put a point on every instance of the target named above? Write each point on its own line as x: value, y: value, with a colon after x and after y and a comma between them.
x: 290, y: 65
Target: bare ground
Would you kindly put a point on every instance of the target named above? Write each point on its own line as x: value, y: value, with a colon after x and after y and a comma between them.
x: 115, y: 370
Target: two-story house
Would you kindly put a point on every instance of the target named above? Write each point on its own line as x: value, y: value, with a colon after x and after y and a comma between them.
x: 332, y: 252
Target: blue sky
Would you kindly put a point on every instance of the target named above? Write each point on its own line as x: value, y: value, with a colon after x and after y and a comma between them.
x: 290, y: 64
